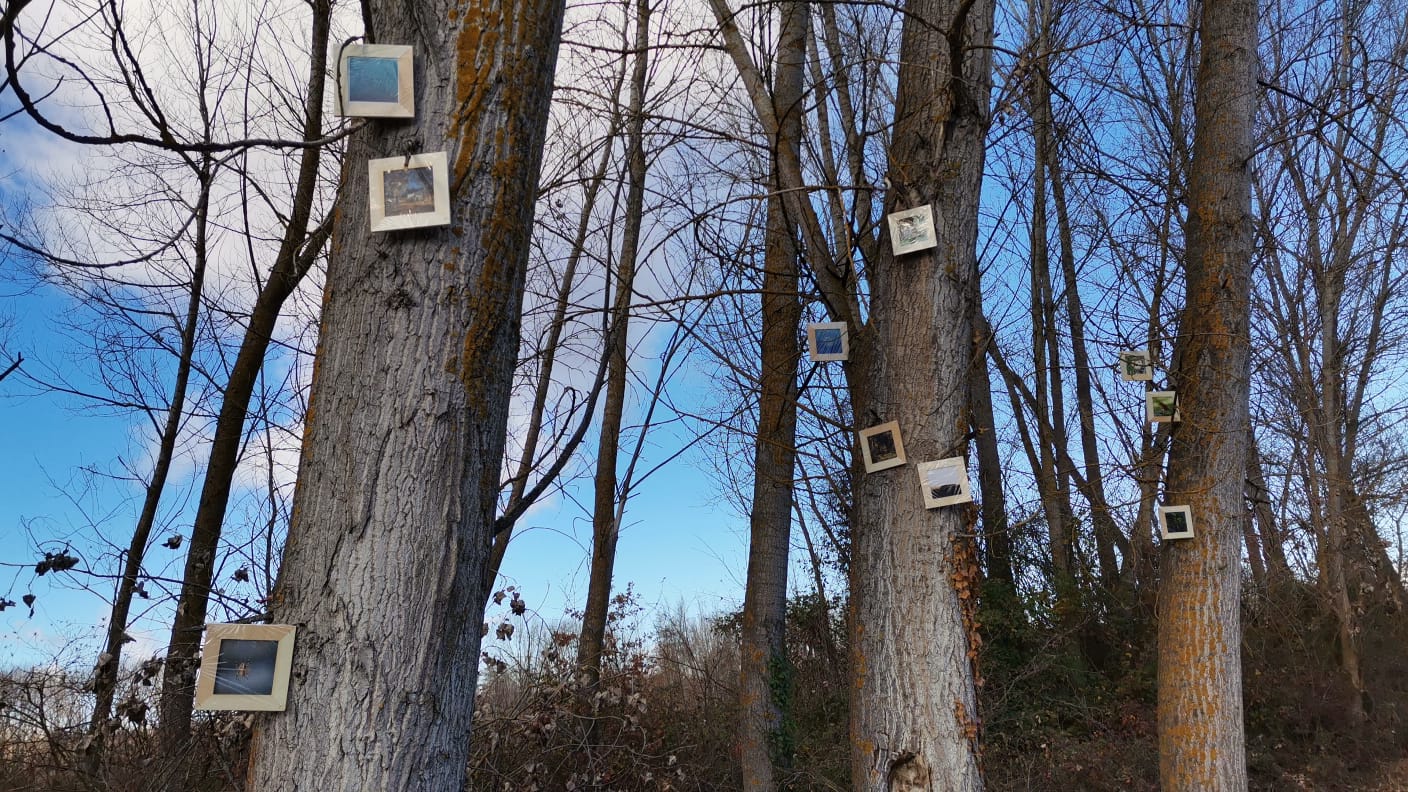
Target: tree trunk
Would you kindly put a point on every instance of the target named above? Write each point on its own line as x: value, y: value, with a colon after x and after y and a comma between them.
x: 384, y: 569
x: 997, y: 537
x: 1201, y: 744
x: 1272, y: 544
x: 110, y: 661
x: 765, y: 744
x: 297, y: 252
x: 1108, y: 539
x: 609, y: 503
x: 914, y: 717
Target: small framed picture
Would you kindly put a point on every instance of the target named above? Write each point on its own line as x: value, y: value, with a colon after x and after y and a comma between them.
x: 1136, y: 366
x: 1162, y: 406
x: 245, y: 667
x: 1176, y: 522
x: 376, y: 81
x: 945, y: 482
x: 912, y: 230
x: 409, y: 192
x: 881, y: 447
x: 828, y: 341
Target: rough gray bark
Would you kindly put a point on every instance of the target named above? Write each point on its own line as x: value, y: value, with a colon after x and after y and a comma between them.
x: 1201, y: 742
x: 913, y: 711
x: 765, y: 747
x: 384, y: 569
x: 913, y: 707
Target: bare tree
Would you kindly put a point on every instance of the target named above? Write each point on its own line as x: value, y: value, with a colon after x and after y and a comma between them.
x: 1201, y: 743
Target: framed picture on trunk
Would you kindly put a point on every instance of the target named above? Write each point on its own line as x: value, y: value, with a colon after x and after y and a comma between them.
x: 828, y: 341
x: 912, y: 230
x: 1136, y: 366
x: 245, y: 667
x: 376, y: 81
x: 944, y: 482
x: 1162, y: 406
x: 881, y: 447
x: 409, y: 192
x: 1176, y: 522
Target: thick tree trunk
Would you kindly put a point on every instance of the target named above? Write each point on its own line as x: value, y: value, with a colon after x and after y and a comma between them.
x: 914, y: 718
x: 609, y: 504
x: 297, y: 253
x: 765, y: 743
x: 1201, y: 743
x: 384, y: 569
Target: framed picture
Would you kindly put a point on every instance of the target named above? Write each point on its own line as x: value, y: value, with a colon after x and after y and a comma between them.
x: 1176, y: 522
x: 1136, y: 366
x: 245, y: 667
x: 1162, y: 406
x: 881, y: 447
x: 376, y: 81
x: 410, y: 192
x: 912, y: 230
x: 828, y: 341
x: 945, y: 482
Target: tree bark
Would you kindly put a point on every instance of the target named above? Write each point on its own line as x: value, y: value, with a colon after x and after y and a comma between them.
x: 913, y: 706
x: 384, y: 569
x: 765, y: 744
x: 1201, y: 742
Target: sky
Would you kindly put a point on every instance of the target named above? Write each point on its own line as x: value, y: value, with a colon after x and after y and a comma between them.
x: 679, y: 544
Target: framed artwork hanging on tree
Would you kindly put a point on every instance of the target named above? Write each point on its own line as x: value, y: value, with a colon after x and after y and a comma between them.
x: 945, y: 482
x: 409, y: 192
x: 1176, y: 522
x: 1136, y: 366
x: 376, y: 81
x: 828, y: 341
x: 245, y: 667
x: 881, y: 447
x: 912, y: 230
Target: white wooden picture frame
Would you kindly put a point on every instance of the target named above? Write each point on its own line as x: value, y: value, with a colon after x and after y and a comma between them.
x: 409, y: 192
x: 944, y: 482
x: 245, y: 667
x: 1136, y: 366
x: 376, y: 81
x: 881, y: 447
x: 912, y: 230
x: 1162, y: 407
x: 1176, y: 522
x: 828, y: 341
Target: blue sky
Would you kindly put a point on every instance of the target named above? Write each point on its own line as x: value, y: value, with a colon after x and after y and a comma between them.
x: 680, y: 544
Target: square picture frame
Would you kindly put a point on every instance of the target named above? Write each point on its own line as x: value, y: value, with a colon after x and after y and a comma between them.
x: 409, y: 192
x: 912, y: 230
x: 245, y: 667
x: 944, y: 482
x: 881, y: 447
x: 827, y: 341
x: 376, y: 81
x: 1162, y: 407
x: 1136, y: 365
x: 1175, y: 522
